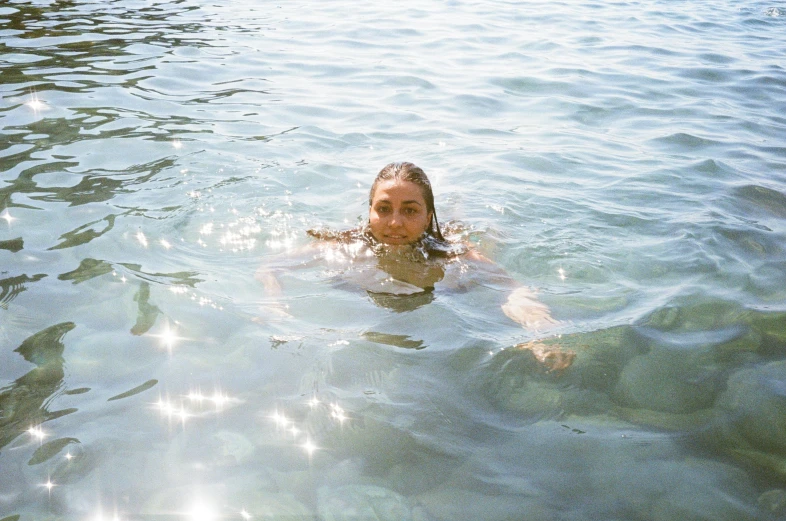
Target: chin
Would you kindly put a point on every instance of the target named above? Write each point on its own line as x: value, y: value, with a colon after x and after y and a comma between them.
x: 397, y: 242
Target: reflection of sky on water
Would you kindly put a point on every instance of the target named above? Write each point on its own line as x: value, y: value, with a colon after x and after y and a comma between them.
x: 153, y: 164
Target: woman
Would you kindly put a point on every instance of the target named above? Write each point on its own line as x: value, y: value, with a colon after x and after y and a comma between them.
x: 402, y: 223
x: 404, y: 236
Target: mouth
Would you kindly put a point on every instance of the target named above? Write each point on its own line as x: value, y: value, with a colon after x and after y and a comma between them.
x: 395, y: 237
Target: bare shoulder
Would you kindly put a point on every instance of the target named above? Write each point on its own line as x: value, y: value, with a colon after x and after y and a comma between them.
x: 474, y: 255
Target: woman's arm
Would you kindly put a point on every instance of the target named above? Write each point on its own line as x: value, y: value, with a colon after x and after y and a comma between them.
x: 522, y: 305
x: 267, y: 277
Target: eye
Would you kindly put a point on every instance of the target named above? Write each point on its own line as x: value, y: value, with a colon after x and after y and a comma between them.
x: 410, y: 210
x: 383, y: 209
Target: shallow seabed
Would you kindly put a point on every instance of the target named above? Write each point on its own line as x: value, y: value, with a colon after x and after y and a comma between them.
x: 625, y: 158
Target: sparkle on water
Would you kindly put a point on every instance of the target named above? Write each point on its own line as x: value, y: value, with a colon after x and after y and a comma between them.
x: 261, y: 159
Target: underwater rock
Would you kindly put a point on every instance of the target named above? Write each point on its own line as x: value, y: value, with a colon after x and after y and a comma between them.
x: 276, y: 506
x: 677, y: 422
x: 600, y: 355
x: 755, y: 403
x: 232, y: 448
x: 667, y: 380
x: 704, y: 490
x: 772, y: 329
x: 362, y: 503
x: 773, y: 502
x: 456, y: 504
x: 378, y: 443
x: 752, y: 416
x: 534, y: 399
x: 582, y: 468
x: 568, y: 372
x: 515, y: 380
x: 552, y: 357
x: 221, y: 449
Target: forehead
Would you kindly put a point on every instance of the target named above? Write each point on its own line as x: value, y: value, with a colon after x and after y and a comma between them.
x: 398, y: 191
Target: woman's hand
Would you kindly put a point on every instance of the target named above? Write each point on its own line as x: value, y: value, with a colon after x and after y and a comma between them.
x: 523, y: 307
x: 271, y: 309
x: 269, y: 281
x: 551, y: 356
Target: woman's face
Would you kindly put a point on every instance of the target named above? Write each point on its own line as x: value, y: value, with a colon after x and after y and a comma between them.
x: 398, y: 213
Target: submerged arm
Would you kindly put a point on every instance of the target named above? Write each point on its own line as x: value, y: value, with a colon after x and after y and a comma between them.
x: 522, y: 305
x: 267, y: 277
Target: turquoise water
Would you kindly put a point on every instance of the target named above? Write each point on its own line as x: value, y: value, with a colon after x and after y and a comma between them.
x: 624, y: 158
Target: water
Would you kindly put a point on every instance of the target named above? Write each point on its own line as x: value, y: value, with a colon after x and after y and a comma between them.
x: 625, y: 158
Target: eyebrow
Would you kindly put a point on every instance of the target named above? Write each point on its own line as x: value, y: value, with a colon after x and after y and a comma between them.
x: 412, y: 201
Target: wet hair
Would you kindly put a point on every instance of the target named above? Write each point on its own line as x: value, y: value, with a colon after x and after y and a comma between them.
x: 413, y: 174
x: 433, y: 243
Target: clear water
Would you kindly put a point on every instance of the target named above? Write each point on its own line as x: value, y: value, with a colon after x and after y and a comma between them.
x: 625, y: 158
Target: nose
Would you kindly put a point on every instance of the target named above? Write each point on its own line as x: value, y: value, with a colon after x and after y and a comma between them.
x: 396, y: 219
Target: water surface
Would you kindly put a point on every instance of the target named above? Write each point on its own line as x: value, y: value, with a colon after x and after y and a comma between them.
x: 624, y: 158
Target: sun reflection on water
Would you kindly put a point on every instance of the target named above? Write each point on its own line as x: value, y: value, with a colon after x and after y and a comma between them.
x: 240, y: 235
x: 338, y: 414
x: 37, y: 433
x: 309, y: 447
x: 100, y: 516
x: 201, y: 511
x: 48, y: 485
x: 7, y: 217
x: 298, y: 433
x: 141, y: 238
x: 194, y: 404
x: 171, y: 410
x: 36, y: 104
x: 168, y: 337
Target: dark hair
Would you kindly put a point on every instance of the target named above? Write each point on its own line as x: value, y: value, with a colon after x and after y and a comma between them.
x: 413, y: 174
x: 432, y: 243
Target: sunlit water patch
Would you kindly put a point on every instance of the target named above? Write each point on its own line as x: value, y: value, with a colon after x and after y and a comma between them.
x: 175, y: 344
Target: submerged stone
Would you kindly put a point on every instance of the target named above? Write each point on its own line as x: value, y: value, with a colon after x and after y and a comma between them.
x: 275, y: 506
x: 773, y: 501
x: 534, y: 400
x: 579, y: 468
x: 232, y: 447
x: 668, y: 380
x: 459, y: 504
x: 362, y: 503
x: 705, y: 490
x: 755, y: 403
x: 678, y: 422
x: 752, y: 416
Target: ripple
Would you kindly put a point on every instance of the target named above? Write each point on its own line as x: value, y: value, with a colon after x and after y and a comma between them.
x: 762, y: 200
x: 622, y: 158
x: 684, y: 142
